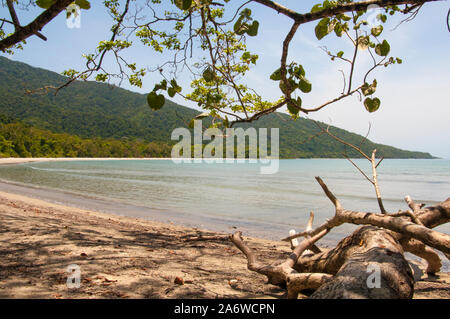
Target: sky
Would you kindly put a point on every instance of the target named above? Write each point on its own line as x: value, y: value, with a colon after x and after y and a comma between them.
x: 415, y: 96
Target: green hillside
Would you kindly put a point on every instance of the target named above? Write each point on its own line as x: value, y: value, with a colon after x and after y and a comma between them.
x: 95, y: 110
x: 21, y: 140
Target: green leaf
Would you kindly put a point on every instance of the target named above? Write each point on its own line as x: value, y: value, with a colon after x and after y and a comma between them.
x: 299, y: 71
x: 160, y: 86
x: 284, y: 88
x: 340, y: 54
x: 44, y: 4
x: 276, y: 76
x: 383, y: 48
x: 332, y: 25
x: 237, y: 26
x: 155, y: 101
x: 399, y: 61
x: 292, y: 108
x: 183, y: 4
x: 174, y: 89
x: 83, y: 4
x: 372, y: 104
x: 322, y: 29
x: 338, y: 29
x: 304, y: 85
x: 294, y: 105
x: 363, y: 42
x: 174, y: 83
x: 208, y: 74
x: 171, y: 91
x: 345, y: 17
x: 376, y: 31
x: 369, y: 89
x: 253, y: 29
x: 246, y: 56
x: 316, y: 8
x: 246, y: 13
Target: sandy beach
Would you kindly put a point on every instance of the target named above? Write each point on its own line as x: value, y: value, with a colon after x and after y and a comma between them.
x: 124, y: 257
x: 119, y: 257
x: 19, y: 160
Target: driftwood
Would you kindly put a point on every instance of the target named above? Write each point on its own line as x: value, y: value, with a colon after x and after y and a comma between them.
x: 369, y: 263
x: 370, y: 250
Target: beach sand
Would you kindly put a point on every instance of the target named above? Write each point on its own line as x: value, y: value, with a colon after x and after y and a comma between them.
x: 19, y: 160
x: 124, y: 257
x: 119, y: 257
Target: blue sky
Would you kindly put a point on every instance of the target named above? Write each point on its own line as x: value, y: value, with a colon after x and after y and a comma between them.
x: 415, y: 107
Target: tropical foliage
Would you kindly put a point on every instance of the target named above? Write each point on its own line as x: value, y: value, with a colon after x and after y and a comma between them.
x: 20, y: 140
x: 96, y: 111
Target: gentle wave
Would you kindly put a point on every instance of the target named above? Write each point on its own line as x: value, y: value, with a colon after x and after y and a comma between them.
x: 237, y: 192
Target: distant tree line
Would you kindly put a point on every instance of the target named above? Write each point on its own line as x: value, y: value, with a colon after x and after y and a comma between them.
x: 21, y: 140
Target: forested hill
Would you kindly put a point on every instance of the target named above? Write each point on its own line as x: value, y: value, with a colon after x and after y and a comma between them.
x: 96, y: 110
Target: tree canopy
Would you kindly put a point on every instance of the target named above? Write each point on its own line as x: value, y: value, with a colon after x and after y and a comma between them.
x: 96, y: 110
x: 207, y: 39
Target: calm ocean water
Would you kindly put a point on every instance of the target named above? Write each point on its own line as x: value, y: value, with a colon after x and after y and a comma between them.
x: 223, y: 196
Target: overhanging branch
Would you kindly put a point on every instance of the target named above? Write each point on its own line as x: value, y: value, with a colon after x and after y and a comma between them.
x: 340, y: 8
x: 35, y: 26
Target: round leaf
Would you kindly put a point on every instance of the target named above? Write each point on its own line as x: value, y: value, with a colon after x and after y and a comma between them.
x: 292, y: 108
x: 376, y: 31
x: 155, y: 101
x: 44, y: 4
x: 276, y: 76
x: 171, y: 91
x: 183, y: 4
x: 253, y: 29
x: 322, y: 29
x: 208, y: 75
x: 372, y: 104
x: 304, y: 85
x: 383, y: 48
x: 363, y: 42
x: 83, y: 4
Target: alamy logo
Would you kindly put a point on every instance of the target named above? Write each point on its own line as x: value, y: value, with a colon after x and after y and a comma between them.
x: 73, y: 16
x: 374, y: 279
x: 74, y: 277
x: 374, y: 12
x: 213, y: 152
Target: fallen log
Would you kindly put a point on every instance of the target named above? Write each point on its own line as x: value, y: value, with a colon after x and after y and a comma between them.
x: 369, y: 263
x: 373, y: 267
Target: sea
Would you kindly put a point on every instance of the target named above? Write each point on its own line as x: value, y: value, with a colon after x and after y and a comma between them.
x: 231, y: 196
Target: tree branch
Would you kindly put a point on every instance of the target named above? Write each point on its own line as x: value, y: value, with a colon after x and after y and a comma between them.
x: 35, y: 26
x: 340, y: 8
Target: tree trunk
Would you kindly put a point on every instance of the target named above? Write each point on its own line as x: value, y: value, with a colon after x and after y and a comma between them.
x: 369, y: 263
x: 373, y: 267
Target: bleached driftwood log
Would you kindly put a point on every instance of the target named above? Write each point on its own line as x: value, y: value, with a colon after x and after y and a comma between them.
x: 367, y: 264
x: 373, y: 266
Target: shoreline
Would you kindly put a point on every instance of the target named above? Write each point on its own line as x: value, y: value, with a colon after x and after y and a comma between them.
x: 124, y: 257
x: 119, y: 257
x: 21, y: 160
x: 267, y: 231
x: 128, y: 256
